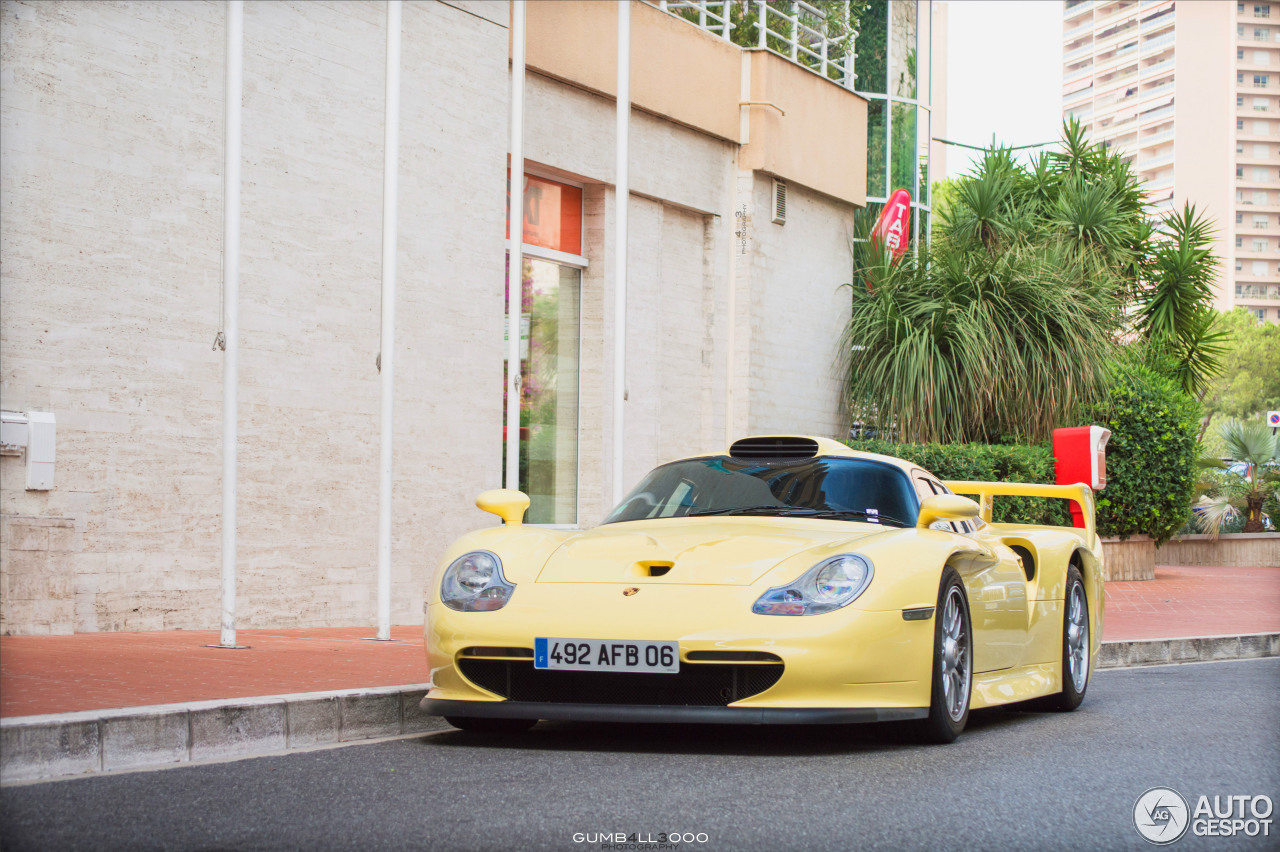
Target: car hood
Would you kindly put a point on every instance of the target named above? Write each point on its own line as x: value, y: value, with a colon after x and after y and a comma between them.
x: 721, y: 551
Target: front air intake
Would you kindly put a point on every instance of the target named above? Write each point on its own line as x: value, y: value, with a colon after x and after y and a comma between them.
x: 774, y: 448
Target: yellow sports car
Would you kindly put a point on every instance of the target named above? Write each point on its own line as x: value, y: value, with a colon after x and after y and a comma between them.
x: 789, y: 580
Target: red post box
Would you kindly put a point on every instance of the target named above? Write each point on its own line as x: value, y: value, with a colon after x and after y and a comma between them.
x: 1080, y: 455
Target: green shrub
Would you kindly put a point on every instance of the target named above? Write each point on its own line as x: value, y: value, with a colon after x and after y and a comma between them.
x: 1151, y: 457
x: 987, y: 463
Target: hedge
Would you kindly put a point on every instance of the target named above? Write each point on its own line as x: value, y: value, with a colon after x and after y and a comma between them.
x: 987, y: 463
x: 1151, y: 457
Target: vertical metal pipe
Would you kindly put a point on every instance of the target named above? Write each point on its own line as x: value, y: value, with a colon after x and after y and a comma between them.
x: 622, y: 201
x: 515, y: 225
x: 390, y: 222
x: 231, y: 311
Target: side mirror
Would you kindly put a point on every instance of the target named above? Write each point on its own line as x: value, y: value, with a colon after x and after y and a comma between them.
x: 946, y: 507
x: 506, y: 504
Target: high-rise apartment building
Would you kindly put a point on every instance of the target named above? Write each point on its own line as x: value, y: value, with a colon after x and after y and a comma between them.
x: 1156, y: 79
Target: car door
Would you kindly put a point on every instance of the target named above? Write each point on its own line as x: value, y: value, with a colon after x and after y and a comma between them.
x: 996, y: 587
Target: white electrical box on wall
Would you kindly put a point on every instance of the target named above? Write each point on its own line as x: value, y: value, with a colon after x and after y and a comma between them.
x: 42, y: 433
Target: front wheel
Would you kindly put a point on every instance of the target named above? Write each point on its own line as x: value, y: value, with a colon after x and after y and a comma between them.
x: 952, y: 663
x: 478, y: 725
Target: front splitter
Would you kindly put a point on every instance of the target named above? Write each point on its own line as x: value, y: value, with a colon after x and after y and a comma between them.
x: 669, y: 713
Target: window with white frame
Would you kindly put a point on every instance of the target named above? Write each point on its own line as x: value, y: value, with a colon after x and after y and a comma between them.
x: 1261, y: 57
x: 1261, y: 104
x: 1262, y: 10
x: 1260, y: 81
x: 1260, y: 220
x: 1259, y: 243
x: 1239, y: 218
x: 1261, y: 174
x: 1239, y: 266
x: 1261, y: 149
x: 1258, y: 197
x: 1261, y: 127
x: 1258, y: 268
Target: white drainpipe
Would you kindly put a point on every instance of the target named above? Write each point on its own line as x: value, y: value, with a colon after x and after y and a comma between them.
x: 515, y: 260
x: 390, y: 169
x: 622, y: 199
x: 231, y: 310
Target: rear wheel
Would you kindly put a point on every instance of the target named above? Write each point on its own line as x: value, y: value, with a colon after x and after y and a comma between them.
x: 952, y: 663
x: 478, y: 725
x: 1076, y: 658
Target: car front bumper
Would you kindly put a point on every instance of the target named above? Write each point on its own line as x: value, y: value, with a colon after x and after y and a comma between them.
x: 669, y: 714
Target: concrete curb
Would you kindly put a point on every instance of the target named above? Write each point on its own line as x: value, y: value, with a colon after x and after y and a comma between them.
x: 1192, y: 649
x: 66, y: 744
x: 34, y: 748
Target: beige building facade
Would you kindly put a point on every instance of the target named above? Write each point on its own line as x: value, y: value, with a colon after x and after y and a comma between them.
x: 111, y: 122
x: 1190, y: 91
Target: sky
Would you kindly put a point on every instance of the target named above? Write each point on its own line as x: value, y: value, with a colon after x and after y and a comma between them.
x: 1004, y: 74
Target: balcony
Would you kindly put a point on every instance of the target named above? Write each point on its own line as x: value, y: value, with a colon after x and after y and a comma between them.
x: 1072, y: 55
x: 789, y: 29
x: 1081, y: 95
x: 1156, y: 114
x: 1079, y: 74
x: 1072, y: 12
x: 1156, y: 138
x: 1159, y: 22
x: 1158, y: 42
x: 1077, y: 31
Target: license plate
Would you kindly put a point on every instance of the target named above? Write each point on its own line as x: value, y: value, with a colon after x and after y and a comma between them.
x: 605, y: 655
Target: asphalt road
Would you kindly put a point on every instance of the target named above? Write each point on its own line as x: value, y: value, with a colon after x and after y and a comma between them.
x: 1014, y: 780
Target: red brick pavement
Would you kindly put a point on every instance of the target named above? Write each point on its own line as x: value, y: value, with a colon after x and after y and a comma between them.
x: 1184, y: 601
x: 93, y: 671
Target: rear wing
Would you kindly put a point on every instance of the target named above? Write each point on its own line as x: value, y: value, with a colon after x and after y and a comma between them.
x: 985, y: 491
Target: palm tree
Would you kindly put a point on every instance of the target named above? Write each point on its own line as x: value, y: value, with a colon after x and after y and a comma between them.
x: 1005, y: 324
x: 1253, y: 444
x: 1175, y: 303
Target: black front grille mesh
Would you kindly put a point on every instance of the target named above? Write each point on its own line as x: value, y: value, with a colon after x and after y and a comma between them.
x: 705, y: 685
x: 774, y: 448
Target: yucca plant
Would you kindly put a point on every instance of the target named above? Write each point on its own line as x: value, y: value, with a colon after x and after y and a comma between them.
x: 1254, y: 445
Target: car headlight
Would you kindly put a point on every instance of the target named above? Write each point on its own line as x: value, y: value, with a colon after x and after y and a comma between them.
x: 474, y: 583
x: 827, y: 586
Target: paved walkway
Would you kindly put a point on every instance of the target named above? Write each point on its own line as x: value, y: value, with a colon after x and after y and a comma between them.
x: 93, y: 671
x: 1194, y: 601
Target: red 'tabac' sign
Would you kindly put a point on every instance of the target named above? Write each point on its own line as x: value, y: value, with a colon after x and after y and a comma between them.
x: 892, y: 227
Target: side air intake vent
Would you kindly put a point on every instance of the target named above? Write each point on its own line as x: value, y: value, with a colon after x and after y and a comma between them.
x: 774, y: 448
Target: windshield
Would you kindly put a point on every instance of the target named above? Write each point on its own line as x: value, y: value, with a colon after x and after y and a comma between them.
x: 843, y: 488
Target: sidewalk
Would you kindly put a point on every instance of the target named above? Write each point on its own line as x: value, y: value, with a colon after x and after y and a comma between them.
x: 94, y: 702
x: 91, y: 671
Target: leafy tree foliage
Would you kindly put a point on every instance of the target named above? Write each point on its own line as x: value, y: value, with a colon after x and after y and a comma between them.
x: 1249, y: 383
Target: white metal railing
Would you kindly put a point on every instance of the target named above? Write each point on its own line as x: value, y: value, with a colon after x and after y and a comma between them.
x: 1154, y: 114
x: 1158, y: 41
x: 791, y: 28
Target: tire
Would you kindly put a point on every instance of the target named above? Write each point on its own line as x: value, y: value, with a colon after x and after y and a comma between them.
x: 952, y: 672
x: 477, y: 725
x: 1077, y: 659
